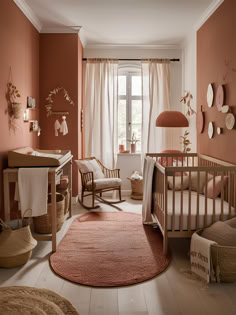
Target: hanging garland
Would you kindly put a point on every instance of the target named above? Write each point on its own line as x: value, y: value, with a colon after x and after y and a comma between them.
x: 50, y: 100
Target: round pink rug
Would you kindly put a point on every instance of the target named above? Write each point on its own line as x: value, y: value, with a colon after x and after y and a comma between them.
x: 107, y: 249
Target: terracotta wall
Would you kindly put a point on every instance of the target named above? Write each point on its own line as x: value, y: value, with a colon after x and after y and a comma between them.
x: 19, y: 63
x: 61, y: 65
x: 216, y: 63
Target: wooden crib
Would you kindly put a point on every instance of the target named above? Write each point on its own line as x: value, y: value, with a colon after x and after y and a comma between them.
x: 179, y: 213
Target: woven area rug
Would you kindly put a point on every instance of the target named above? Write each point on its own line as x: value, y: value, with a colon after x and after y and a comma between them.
x: 26, y: 300
x: 106, y: 249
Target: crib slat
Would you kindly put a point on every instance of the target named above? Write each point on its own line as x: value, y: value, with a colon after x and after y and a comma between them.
x: 173, y: 205
x: 222, y: 196
x: 205, y: 218
x: 214, y: 199
x: 181, y: 204
x: 229, y: 193
x: 234, y: 191
x: 198, y: 185
x: 189, y: 203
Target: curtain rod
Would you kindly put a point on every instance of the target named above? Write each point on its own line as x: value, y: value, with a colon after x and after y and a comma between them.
x: 125, y: 59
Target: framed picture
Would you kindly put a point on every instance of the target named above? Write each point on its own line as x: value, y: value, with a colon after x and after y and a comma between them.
x: 31, y: 102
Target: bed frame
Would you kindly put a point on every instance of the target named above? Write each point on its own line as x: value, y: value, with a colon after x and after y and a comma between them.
x: 188, y: 162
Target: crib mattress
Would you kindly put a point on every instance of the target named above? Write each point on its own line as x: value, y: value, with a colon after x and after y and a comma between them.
x: 194, y: 210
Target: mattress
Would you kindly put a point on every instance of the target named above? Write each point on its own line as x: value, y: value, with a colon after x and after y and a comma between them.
x: 194, y: 210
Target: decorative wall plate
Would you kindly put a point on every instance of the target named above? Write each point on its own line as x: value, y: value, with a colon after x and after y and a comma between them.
x: 225, y: 109
x: 219, y: 130
x: 200, y: 121
x: 219, y: 97
x: 210, y: 130
x: 210, y: 95
x: 229, y: 121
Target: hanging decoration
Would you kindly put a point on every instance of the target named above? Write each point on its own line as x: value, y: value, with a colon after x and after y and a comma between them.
x: 54, y: 92
x: 186, y: 99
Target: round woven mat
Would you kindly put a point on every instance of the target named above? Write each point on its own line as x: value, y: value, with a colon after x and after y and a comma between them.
x: 26, y: 300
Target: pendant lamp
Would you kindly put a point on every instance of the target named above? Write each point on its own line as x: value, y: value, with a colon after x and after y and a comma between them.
x: 171, y: 119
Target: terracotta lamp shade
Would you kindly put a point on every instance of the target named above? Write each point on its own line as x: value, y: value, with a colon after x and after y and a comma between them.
x: 171, y: 119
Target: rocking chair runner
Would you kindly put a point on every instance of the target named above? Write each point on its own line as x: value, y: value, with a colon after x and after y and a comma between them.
x: 96, y: 179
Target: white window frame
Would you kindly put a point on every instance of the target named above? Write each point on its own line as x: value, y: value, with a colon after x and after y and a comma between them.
x: 128, y: 97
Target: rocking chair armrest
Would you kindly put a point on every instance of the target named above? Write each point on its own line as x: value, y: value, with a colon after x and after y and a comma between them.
x: 111, y: 173
x: 87, y: 177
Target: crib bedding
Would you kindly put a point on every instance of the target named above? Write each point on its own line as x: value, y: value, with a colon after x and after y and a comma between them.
x: 194, y: 210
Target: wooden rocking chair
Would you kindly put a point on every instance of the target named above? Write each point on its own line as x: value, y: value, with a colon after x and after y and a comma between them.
x: 96, y: 179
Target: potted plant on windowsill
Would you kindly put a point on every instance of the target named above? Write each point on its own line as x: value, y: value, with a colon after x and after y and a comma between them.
x: 133, y: 142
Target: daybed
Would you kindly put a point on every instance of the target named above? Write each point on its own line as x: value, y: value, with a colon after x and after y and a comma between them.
x: 179, y: 211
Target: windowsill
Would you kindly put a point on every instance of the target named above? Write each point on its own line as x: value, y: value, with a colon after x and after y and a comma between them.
x: 130, y: 154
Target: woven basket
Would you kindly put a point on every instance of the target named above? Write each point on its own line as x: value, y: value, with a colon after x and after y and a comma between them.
x: 15, y: 246
x: 43, y: 223
x: 224, y: 260
x: 137, y: 188
x: 66, y: 194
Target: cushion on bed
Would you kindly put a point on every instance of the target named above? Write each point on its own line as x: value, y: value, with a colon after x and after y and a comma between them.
x: 210, y: 192
x: 221, y: 233
x: 231, y: 222
x: 90, y: 166
x: 202, y: 181
x: 178, y: 182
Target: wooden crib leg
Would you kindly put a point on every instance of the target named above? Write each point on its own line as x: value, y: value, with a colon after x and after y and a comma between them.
x: 165, y: 244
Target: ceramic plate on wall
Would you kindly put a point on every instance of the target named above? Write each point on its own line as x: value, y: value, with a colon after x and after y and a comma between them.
x: 229, y: 121
x: 225, y: 109
x: 210, y: 130
x: 210, y: 95
x: 219, y: 97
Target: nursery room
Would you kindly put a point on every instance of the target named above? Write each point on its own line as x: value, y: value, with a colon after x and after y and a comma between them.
x: 117, y: 157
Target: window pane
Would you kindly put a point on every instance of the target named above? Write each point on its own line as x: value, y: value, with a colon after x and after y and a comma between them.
x: 136, y: 111
x: 136, y: 130
x: 122, y: 122
x: 122, y: 85
x: 136, y: 85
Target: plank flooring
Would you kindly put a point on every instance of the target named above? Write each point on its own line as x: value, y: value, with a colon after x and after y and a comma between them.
x: 173, y: 292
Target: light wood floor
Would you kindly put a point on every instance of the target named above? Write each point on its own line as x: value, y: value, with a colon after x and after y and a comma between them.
x: 172, y: 292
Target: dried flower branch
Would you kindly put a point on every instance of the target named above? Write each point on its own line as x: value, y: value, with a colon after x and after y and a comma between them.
x: 13, y: 93
x: 185, y: 142
x: 186, y: 99
x: 50, y: 100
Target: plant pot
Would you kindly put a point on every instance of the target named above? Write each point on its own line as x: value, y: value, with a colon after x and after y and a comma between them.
x: 121, y: 148
x: 17, y: 110
x: 133, y: 147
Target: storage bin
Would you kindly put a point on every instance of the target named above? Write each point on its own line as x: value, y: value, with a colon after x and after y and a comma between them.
x: 137, y: 188
x: 43, y: 223
x: 224, y: 261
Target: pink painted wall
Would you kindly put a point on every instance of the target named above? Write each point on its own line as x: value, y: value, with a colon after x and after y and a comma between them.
x: 216, y: 64
x: 20, y: 53
x: 61, y: 65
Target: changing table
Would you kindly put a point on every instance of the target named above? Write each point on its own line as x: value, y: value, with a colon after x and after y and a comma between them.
x: 56, y: 160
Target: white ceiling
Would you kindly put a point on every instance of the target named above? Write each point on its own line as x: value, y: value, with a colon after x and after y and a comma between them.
x: 122, y: 22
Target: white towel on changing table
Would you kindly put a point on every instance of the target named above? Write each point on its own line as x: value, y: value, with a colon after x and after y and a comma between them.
x: 33, y: 190
x: 200, y: 257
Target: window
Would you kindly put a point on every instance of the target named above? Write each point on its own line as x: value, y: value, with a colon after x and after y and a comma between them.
x: 130, y: 107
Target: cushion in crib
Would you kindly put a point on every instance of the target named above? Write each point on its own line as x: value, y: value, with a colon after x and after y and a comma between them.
x: 210, y: 193
x: 178, y: 182
x: 231, y: 222
x: 202, y: 181
x: 104, y: 183
x: 221, y: 233
x: 90, y: 166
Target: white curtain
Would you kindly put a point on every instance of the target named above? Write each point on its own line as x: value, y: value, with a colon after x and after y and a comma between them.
x: 156, y: 99
x: 101, y: 110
